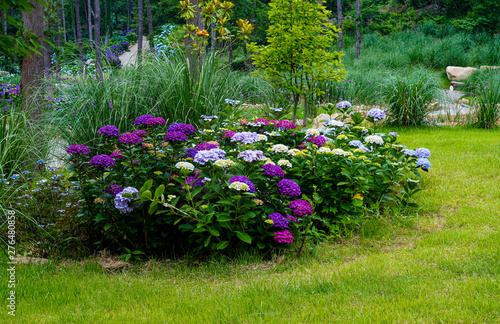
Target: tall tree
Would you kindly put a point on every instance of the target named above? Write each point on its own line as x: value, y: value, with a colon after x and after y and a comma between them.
x: 65, y: 36
x: 339, y: 24
x: 97, y: 30
x: 140, y: 30
x: 78, y: 28
x: 358, y: 32
x: 150, y: 25
x: 32, y: 66
x: 89, y: 19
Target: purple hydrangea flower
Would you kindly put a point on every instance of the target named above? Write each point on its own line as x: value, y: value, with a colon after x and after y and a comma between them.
x: 279, y: 220
x: 173, y: 127
x: 155, y: 121
x: 285, y: 124
x: 301, y: 207
x: 376, y: 114
x: 344, y: 104
x: 289, y: 188
x: 194, y: 181
x: 130, y: 138
x: 283, y: 236
x: 142, y: 119
x: 191, y: 152
x: 102, y: 161
x: 245, y: 180
x: 273, y: 170
x: 317, y: 140
x: 78, y: 149
x: 262, y: 120
x: 187, y: 129
x: 245, y: 137
x: 424, y: 163
x: 205, y: 146
x: 251, y: 156
x: 175, y: 136
x: 124, y: 204
x: 109, y: 130
x: 113, y: 189
x: 423, y: 153
x: 393, y: 134
x: 214, y: 154
x: 116, y: 154
x: 228, y: 133
x: 140, y: 132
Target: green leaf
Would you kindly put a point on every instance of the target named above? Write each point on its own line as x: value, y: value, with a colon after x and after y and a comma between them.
x: 148, y: 184
x: 107, y: 226
x: 127, y: 195
x: 244, y: 237
x: 222, y: 245
x: 146, y: 195
x: 214, y: 232
x: 199, y: 230
x: 159, y: 191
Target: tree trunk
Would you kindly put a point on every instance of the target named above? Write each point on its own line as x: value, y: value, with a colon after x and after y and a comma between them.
x: 197, y: 22
x: 339, y: 24
x: 32, y: 67
x: 213, y: 36
x: 230, y: 50
x: 4, y: 15
x: 97, y: 29
x: 140, y: 31
x: 358, y: 32
x: 129, y: 12
x: 65, y: 36
x: 78, y: 28
x: 60, y: 29
x: 90, y: 25
x: 150, y: 25
x: 107, y: 20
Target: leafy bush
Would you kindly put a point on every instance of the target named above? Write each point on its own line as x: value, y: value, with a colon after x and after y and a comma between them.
x: 265, y: 183
x: 484, y: 88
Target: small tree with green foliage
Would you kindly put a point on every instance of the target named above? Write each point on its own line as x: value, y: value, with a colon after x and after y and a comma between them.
x: 298, y: 52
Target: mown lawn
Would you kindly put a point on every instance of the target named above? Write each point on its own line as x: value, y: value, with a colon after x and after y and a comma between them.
x: 440, y: 264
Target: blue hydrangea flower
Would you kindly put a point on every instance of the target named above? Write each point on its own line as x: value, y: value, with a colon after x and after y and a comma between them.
x: 424, y: 163
x: 376, y: 114
x: 423, y: 153
x: 122, y: 203
x: 344, y: 104
x: 409, y: 152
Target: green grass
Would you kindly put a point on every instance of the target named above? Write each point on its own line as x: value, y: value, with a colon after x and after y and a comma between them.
x: 439, y: 265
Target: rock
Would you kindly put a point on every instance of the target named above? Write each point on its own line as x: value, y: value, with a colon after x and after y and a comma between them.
x: 487, y: 67
x: 457, y: 73
x: 26, y: 260
x: 89, y: 61
x: 318, y: 121
x: 464, y: 101
x: 4, y: 73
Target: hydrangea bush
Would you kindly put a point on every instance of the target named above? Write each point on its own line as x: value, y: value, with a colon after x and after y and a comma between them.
x: 266, y: 183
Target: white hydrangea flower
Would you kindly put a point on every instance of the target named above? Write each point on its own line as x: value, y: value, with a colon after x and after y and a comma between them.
x: 293, y: 152
x: 374, y: 139
x: 285, y: 163
x: 239, y: 186
x: 279, y: 148
x: 324, y: 149
x: 273, y: 134
x: 334, y: 123
x: 341, y: 152
x: 184, y: 166
x: 262, y: 137
x: 268, y: 161
x: 312, y: 132
x: 224, y: 163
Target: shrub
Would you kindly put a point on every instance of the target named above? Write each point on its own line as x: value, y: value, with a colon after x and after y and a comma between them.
x: 211, y: 188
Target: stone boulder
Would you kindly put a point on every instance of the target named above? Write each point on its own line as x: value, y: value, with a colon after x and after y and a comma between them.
x: 4, y: 73
x: 457, y: 73
x: 319, y: 121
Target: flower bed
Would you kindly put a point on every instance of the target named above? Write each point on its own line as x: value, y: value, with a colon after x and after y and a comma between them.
x: 264, y: 183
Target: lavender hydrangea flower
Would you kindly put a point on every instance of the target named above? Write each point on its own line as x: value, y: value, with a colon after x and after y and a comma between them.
x: 376, y: 114
x: 423, y: 153
x: 356, y: 143
x: 393, y: 134
x: 78, y: 150
x: 344, y: 105
x: 130, y: 138
x: 155, y: 121
x: 409, y: 152
x: 245, y: 137
x: 251, y: 156
x: 301, y: 207
x: 205, y: 146
x: 289, y: 188
x: 191, y: 152
x: 272, y: 170
x: 101, y: 162
x: 109, y: 130
x: 424, y: 163
x: 113, y: 189
x: 283, y: 236
x: 245, y: 180
x: 279, y: 220
x: 142, y: 119
x: 123, y: 204
x: 214, y: 154
x: 175, y: 137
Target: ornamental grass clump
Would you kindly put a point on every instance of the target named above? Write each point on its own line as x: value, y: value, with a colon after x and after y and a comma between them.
x: 281, y: 188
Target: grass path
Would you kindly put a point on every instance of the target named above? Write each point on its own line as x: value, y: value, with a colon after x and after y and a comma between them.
x: 440, y: 266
